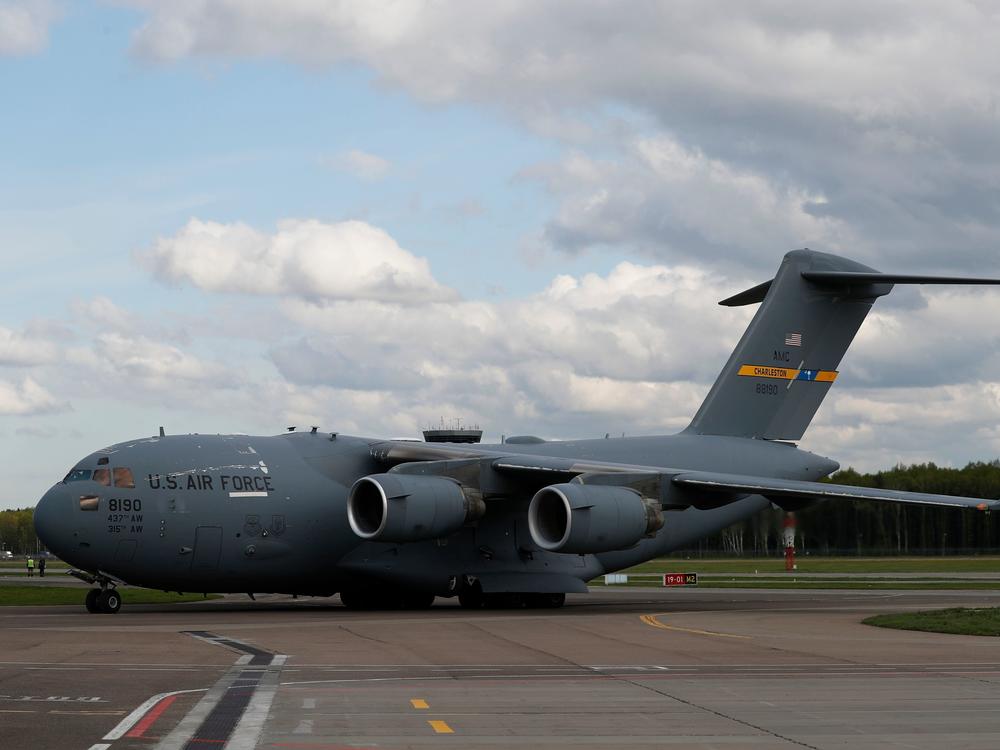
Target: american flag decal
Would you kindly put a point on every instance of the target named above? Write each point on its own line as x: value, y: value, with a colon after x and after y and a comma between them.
x: 793, y: 339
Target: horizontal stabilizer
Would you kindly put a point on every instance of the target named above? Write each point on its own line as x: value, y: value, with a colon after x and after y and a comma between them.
x: 846, y: 278
x: 794, y: 488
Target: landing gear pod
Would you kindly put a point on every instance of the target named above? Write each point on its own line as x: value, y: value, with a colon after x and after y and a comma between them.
x: 583, y: 519
x: 408, y: 508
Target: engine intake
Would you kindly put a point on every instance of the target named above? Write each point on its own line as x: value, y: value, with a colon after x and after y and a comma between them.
x: 584, y: 519
x: 409, y: 508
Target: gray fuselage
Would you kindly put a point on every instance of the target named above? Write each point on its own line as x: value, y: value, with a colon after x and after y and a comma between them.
x: 234, y: 513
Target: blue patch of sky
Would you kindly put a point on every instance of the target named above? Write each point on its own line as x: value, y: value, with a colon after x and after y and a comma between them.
x: 103, y: 153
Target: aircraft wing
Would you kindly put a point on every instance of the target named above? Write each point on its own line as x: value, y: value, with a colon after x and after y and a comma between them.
x: 707, y: 481
x: 722, y: 488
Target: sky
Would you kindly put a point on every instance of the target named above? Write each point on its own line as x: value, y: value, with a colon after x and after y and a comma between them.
x: 239, y: 215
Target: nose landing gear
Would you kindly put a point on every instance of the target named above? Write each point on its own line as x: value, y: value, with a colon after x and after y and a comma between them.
x: 104, y: 600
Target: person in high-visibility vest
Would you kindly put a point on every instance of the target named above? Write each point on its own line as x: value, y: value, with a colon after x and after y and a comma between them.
x: 31, y: 566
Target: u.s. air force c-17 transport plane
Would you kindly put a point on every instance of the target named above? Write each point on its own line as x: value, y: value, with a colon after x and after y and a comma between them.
x: 393, y: 523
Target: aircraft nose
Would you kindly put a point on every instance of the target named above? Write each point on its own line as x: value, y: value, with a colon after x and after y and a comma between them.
x: 50, y: 518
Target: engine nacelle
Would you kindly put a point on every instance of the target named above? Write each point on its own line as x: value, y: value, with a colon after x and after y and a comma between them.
x: 410, y: 508
x: 584, y: 519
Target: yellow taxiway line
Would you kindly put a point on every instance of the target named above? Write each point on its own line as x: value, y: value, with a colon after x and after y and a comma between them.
x: 652, y: 621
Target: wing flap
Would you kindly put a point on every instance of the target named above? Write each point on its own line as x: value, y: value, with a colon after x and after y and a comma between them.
x: 794, y: 488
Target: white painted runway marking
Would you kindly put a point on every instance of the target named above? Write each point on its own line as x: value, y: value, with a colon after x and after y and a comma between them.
x: 251, y: 724
x: 51, y: 699
x: 305, y: 727
x: 133, y: 718
x: 308, y: 703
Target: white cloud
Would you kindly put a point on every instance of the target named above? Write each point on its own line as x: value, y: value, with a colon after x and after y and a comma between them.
x: 585, y: 356
x: 105, y: 314
x: 630, y: 325
x: 876, y: 428
x: 137, y: 360
x: 24, y: 349
x: 305, y: 258
x: 633, y: 350
x: 884, y: 109
x: 669, y: 200
x: 24, y: 26
x: 26, y: 398
x: 946, y: 336
x: 363, y: 165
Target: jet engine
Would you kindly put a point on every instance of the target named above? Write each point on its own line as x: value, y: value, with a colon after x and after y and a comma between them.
x: 584, y: 519
x: 410, y: 508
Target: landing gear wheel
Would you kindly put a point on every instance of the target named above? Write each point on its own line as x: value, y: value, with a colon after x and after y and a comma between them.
x: 91, y: 601
x: 544, y: 601
x: 503, y: 600
x: 109, y: 601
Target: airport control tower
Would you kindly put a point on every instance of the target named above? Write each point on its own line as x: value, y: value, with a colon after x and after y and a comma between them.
x: 453, y: 432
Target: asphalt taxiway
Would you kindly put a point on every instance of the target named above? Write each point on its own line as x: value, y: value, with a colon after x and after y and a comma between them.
x: 615, y: 668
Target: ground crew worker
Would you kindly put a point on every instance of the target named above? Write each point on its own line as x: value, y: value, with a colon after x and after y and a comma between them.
x: 41, y: 567
x: 31, y: 566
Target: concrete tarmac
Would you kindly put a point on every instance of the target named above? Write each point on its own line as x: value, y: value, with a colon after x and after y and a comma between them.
x: 617, y: 668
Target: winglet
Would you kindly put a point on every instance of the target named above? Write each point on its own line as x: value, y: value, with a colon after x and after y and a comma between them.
x: 750, y: 297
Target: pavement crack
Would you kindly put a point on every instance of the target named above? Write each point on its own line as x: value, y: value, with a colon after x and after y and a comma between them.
x: 363, y: 636
x: 533, y: 649
x: 720, y: 714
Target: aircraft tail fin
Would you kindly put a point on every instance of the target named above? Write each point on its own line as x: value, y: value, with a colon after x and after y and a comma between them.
x: 787, y: 359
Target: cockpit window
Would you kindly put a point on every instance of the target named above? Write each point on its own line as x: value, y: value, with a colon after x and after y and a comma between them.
x: 78, y: 475
x: 89, y: 502
x: 123, y: 477
x: 102, y: 476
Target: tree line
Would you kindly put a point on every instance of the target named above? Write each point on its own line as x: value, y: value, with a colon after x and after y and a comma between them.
x: 17, y: 532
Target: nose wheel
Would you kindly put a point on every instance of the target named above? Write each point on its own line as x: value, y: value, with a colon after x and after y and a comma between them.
x: 100, y: 601
x: 103, y: 601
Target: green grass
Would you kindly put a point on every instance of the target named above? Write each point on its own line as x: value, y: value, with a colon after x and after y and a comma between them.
x: 813, y: 564
x: 44, y: 595
x: 960, y: 621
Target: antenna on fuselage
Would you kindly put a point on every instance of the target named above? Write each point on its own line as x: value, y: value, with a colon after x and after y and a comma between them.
x: 162, y: 433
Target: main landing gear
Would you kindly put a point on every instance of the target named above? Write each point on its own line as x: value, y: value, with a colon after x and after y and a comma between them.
x: 105, y: 601
x: 472, y: 597
x: 385, y: 598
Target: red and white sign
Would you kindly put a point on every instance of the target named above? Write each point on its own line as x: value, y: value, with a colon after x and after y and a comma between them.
x: 680, y: 579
